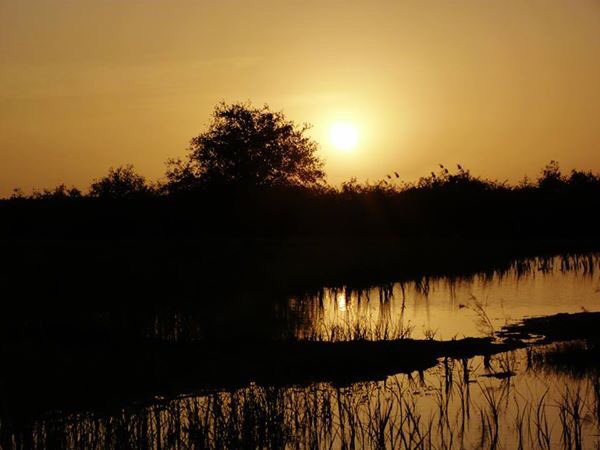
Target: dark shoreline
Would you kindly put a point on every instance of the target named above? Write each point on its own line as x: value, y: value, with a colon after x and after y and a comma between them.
x: 104, y: 375
x: 86, y: 375
x: 56, y: 360
x: 128, y: 270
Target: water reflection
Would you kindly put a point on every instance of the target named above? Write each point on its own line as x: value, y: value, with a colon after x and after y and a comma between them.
x: 458, y: 404
x: 429, y: 307
x: 523, y: 399
x: 459, y: 306
x: 341, y: 302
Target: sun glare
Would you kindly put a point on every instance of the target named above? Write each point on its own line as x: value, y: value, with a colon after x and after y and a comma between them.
x: 344, y: 136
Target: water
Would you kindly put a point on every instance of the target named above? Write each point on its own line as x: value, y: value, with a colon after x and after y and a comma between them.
x: 453, y: 307
x: 512, y: 400
x: 440, y: 307
x: 453, y: 405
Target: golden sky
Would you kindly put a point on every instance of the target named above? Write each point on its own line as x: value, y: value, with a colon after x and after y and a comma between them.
x: 500, y: 86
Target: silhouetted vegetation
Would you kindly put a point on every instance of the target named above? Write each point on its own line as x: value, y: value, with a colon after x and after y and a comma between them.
x: 215, y: 278
x: 446, y: 205
x: 247, y: 147
x: 560, y: 327
x: 449, y: 406
x: 120, y: 183
x: 577, y: 358
x: 143, y: 354
x: 254, y: 173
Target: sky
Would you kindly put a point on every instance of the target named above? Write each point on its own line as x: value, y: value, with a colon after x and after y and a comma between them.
x: 501, y: 87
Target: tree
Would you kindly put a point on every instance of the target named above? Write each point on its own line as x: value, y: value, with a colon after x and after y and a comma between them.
x: 122, y: 182
x: 551, y: 178
x: 59, y: 192
x: 248, y: 147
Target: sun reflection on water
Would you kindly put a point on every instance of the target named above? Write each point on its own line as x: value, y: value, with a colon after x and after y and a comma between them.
x: 341, y: 301
x: 450, y: 306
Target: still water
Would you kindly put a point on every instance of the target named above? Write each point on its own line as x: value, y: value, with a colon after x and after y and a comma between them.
x: 458, y: 307
x: 453, y: 405
x: 515, y: 400
x: 440, y: 307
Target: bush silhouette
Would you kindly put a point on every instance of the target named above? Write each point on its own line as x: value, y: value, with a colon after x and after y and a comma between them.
x: 246, y: 146
x: 122, y: 182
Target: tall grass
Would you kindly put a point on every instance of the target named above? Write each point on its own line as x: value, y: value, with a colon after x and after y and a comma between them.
x: 441, y: 410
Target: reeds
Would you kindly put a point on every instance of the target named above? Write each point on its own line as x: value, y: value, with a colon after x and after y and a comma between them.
x: 440, y: 410
x: 571, y: 414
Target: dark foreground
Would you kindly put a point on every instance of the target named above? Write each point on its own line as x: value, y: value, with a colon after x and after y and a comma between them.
x: 93, y: 360
x: 66, y: 375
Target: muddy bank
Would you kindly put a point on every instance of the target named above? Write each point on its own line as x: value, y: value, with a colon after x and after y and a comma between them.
x: 66, y: 375
x: 559, y: 327
x: 82, y: 376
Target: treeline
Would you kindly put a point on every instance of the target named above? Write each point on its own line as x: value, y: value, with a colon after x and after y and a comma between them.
x: 449, y: 203
x: 255, y: 173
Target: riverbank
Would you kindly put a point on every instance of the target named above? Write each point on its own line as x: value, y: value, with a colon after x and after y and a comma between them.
x: 134, y: 271
x: 69, y: 375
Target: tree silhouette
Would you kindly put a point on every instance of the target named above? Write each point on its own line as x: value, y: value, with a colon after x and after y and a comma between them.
x: 122, y: 182
x: 551, y: 178
x: 248, y: 147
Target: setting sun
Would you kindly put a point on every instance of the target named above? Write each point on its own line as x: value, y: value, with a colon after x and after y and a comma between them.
x: 344, y: 136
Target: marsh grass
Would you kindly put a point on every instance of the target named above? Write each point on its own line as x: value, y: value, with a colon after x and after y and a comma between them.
x: 577, y: 358
x: 572, y: 414
x: 484, y: 321
x: 381, y: 312
x: 195, y: 310
x: 361, y: 328
x: 402, y: 412
x: 436, y: 410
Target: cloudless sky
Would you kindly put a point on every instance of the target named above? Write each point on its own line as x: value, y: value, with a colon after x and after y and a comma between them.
x: 501, y: 87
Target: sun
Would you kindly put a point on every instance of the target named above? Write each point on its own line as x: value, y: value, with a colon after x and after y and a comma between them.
x: 344, y: 136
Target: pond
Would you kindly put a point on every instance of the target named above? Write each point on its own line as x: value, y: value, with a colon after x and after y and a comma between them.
x: 457, y: 404
x: 448, y: 307
x: 453, y: 307
x: 536, y: 397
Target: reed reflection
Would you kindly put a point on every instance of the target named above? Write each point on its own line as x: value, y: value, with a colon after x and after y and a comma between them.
x: 430, y: 307
x: 457, y: 404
